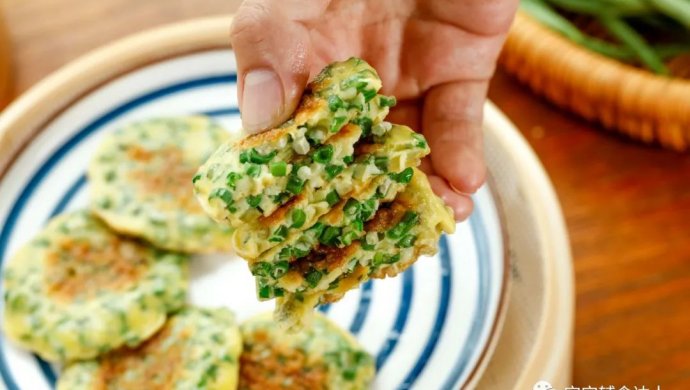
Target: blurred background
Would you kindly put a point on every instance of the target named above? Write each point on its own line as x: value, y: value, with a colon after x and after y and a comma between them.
x: 611, y: 136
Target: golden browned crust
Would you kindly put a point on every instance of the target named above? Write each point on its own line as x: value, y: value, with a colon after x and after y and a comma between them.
x: 156, y: 358
x: 264, y: 365
x: 77, y: 269
x: 174, y: 181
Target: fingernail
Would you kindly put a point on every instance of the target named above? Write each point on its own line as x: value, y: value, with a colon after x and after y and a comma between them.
x: 457, y: 191
x: 262, y: 99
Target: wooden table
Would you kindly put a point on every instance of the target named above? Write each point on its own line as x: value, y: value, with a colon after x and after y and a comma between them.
x: 627, y: 206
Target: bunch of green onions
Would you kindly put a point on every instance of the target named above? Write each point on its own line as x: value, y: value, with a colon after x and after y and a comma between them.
x: 615, y: 16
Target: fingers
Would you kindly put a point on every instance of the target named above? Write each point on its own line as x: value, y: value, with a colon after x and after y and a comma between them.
x: 461, y: 204
x: 273, y: 56
x: 452, y: 119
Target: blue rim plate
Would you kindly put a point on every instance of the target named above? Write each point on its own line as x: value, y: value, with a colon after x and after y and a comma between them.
x: 428, y: 328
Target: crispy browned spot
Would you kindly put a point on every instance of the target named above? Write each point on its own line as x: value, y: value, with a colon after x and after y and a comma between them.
x: 324, y: 257
x: 366, y: 148
x: 280, y: 214
x: 263, y: 138
x: 80, y: 269
x: 264, y: 365
x: 386, y: 217
x: 164, y: 174
x: 345, y: 132
x: 155, y: 365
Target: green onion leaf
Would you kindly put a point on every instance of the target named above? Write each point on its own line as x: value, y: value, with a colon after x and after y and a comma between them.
x: 253, y: 170
x: 196, y: 178
x: 280, y: 269
x: 365, y: 123
x: 381, y: 163
x: 332, y: 198
x: 324, y: 154
x: 262, y: 269
x: 403, y: 177
x: 334, y: 103
x: 349, y: 159
x: 298, y: 218
x: 294, y: 184
x: 387, y: 101
x: 329, y: 235
x: 254, y: 200
x: 224, y: 195
x: 404, y: 226
x: 351, y: 207
x: 278, y: 168
x: 244, y: 156
x: 407, y: 241
x: 337, y: 123
x: 258, y: 158
x: 279, y: 234
x: 232, y: 179
x: 368, y: 94
x: 313, y: 277
x: 333, y: 170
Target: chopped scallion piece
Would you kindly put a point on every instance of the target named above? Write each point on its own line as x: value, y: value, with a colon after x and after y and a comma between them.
x: 324, y: 154
x: 278, y: 168
x: 298, y: 218
x: 332, y: 198
x: 279, y: 234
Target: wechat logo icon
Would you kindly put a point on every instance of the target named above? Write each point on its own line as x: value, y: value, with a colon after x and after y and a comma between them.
x: 542, y: 385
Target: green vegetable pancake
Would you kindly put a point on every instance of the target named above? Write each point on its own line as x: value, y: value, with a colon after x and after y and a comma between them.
x: 255, y: 183
x: 357, y: 240
x: 196, y: 349
x: 78, y: 290
x: 140, y: 183
x: 319, y: 356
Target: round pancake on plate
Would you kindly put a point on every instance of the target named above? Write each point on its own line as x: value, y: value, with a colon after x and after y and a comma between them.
x: 141, y: 183
x: 77, y: 290
x: 196, y: 349
x: 320, y: 356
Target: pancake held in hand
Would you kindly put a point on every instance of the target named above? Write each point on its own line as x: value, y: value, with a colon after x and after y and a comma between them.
x: 140, y: 179
x: 248, y: 181
x: 338, y: 257
x: 195, y: 349
x: 319, y: 356
x: 379, y: 159
x: 78, y: 290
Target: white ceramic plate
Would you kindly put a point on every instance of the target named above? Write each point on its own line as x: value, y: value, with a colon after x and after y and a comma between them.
x: 429, y: 328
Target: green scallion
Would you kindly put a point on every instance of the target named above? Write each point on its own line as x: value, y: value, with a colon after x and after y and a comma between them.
x: 324, y: 154
x: 298, y: 218
x: 278, y: 168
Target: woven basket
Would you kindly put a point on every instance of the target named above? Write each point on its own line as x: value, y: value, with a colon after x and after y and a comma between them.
x: 635, y: 102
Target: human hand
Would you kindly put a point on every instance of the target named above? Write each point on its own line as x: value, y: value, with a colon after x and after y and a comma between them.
x: 435, y: 56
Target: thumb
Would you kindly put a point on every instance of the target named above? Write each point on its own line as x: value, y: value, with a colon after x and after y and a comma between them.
x: 273, y: 51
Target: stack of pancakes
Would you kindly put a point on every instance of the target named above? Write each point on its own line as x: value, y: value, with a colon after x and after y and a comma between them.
x: 329, y: 199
